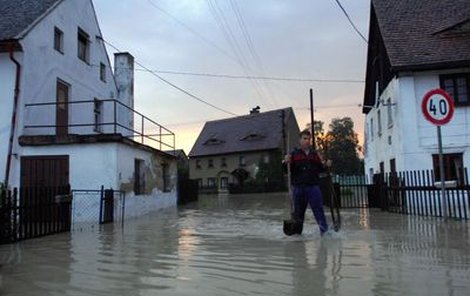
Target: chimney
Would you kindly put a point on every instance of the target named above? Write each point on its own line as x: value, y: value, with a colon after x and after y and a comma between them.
x: 124, y: 75
x: 255, y: 110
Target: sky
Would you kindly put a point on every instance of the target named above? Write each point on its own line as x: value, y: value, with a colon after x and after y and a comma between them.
x: 302, y: 39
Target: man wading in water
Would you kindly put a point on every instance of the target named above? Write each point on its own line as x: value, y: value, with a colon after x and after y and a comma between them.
x: 305, y: 167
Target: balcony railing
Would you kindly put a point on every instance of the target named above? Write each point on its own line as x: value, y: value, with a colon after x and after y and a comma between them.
x: 94, y: 117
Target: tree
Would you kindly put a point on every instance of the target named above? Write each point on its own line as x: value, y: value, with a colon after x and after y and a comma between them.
x: 340, y: 145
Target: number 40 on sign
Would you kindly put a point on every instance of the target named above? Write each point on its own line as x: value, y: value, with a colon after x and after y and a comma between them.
x: 438, y: 107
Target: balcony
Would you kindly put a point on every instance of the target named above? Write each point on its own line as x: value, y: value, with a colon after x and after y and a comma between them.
x: 91, y: 121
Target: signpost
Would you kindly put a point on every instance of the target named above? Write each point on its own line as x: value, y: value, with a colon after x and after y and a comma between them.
x: 438, y: 108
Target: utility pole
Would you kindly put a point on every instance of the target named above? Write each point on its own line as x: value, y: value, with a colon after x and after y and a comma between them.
x: 311, y: 119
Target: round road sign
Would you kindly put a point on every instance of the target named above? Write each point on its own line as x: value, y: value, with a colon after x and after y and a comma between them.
x: 437, y: 107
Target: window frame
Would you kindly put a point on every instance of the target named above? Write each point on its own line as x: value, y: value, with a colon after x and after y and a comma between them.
x: 58, y: 40
x: 139, y: 176
x: 451, y: 172
x: 242, y: 161
x: 83, y: 41
x: 455, y: 95
x: 389, y: 113
x: 102, y: 72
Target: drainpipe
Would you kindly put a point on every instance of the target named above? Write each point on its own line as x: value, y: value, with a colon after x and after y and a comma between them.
x: 13, y: 116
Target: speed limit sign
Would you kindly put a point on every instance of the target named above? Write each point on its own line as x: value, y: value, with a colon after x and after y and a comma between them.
x: 437, y: 107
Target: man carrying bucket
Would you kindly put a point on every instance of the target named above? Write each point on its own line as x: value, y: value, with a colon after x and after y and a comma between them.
x: 305, y: 166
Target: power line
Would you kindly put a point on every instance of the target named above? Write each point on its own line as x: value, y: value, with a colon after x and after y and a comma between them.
x: 175, y: 86
x: 229, y: 35
x: 351, y: 22
x: 250, y: 45
x: 191, y: 30
x: 230, y: 76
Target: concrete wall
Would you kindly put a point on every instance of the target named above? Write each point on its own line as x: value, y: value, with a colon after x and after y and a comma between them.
x: 411, y: 139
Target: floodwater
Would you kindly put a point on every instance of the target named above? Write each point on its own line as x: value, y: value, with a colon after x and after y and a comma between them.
x: 233, y: 245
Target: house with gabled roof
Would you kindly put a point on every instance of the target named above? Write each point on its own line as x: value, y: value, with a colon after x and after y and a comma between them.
x: 66, y: 117
x: 235, y: 150
x: 416, y: 46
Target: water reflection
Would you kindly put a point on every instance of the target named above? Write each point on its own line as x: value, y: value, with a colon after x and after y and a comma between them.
x: 234, y: 245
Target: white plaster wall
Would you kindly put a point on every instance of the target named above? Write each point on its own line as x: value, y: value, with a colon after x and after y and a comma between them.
x: 43, y: 65
x: 7, y: 80
x: 90, y: 165
x: 387, y: 145
x: 414, y: 139
x: 154, y: 198
x: 108, y: 165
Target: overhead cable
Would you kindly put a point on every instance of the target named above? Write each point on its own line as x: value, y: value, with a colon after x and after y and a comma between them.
x: 175, y: 86
x: 351, y: 22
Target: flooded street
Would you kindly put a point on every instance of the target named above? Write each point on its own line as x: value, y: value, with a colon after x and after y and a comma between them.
x: 234, y: 245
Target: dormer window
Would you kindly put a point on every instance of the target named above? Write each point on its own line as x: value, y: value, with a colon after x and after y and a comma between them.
x: 213, y: 141
x: 252, y: 136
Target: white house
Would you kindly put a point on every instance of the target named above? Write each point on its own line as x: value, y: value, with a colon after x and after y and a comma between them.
x: 66, y: 117
x: 416, y: 46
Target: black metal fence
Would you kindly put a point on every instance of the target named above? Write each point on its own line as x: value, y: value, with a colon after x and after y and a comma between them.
x: 34, y: 212
x: 409, y: 192
x: 354, y: 191
x: 417, y: 193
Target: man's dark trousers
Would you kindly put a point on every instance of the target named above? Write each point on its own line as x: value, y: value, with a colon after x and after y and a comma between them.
x: 309, y: 195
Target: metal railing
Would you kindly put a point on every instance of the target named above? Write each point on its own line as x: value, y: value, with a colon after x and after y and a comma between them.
x: 108, y: 116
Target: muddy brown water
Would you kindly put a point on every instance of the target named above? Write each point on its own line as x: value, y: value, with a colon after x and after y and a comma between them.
x: 234, y: 245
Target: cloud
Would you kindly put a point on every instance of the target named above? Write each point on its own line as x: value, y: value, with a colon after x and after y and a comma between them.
x: 301, y: 38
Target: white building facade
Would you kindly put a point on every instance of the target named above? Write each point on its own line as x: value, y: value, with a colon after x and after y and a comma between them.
x: 73, y: 120
x: 400, y: 71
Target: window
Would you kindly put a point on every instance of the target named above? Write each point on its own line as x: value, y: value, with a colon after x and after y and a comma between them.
x: 166, y: 178
x: 223, y: 162
x: 371, y: 129
x: 58, y: 40
x: 199, y: 183
x: 458, y: 87
x: 379, y: 123
x: 242, y: 161
x: 389, y: 112
x: 393, y: 166
x: 211, y: 182
x: 223, y: 182
x: 83, y: 46
x: 98, y: 115
x: 210, y: 163
x: 453, y: 167
x: 198, y: 164
x: 102, y: 72
x: 266, y: 159
x: 139, y: 176
x: 377, y: 91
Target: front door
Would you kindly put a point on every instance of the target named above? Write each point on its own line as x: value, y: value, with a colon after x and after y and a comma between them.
x: 62, y: 109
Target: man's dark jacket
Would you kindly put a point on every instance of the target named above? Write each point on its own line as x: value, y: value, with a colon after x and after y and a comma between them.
x: 305, y: 169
